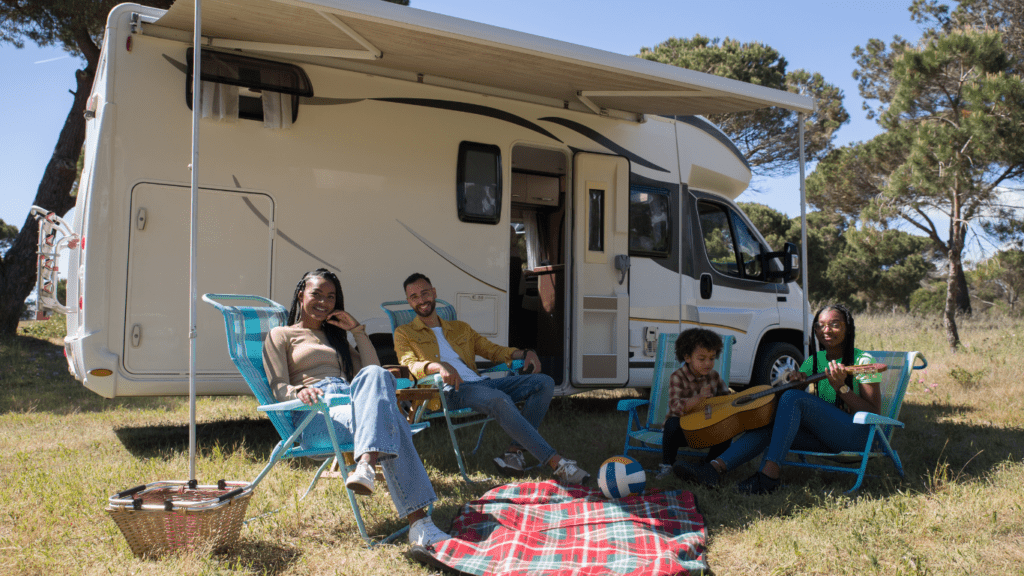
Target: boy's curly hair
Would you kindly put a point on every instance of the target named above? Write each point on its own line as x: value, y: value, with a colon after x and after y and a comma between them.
x: 689, y: 340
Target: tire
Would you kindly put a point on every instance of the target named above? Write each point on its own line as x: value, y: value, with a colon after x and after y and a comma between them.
x: 774, y: 360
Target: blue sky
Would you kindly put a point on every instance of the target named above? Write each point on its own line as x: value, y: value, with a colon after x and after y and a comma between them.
x: 818, y: 36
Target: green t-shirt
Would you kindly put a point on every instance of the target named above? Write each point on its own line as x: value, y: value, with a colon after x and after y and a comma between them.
x: 825, y: 390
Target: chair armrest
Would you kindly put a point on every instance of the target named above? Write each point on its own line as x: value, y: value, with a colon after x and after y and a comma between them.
x: 431, y: 380
x: 872, y: 418
x: 630, y: 404
x: 515, y: 367
x: 330, y: 400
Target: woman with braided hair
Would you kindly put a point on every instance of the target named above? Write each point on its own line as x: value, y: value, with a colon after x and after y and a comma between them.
x: 310, y: 357
x: 820, y: 421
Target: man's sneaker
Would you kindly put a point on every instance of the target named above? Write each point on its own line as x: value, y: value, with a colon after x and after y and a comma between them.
x: 759, y: 483
x: 664, y: 471
x: 511, y: 464
x: 569, y: 473
x: 360, y: 480
x: 424, y: 533
x: 703, y: 474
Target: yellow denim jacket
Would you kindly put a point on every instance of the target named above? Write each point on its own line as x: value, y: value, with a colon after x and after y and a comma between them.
x: 416, y: 345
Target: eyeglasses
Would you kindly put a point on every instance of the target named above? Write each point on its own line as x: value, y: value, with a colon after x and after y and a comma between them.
x: 832, y: 325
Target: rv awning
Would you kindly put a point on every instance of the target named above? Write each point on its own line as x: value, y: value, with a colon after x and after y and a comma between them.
x: 388, y: 37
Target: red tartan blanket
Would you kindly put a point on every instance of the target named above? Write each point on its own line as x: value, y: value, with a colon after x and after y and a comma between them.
x: 545, y: 528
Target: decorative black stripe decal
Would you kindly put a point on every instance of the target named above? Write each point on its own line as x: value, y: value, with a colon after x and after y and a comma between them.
x: 283, y: 236
x: 472, y: 109
x: 603, y: 141
x: 710, y: 129
x: 449, y: 258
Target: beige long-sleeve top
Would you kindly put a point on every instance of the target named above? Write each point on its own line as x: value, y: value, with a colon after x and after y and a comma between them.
x: 294, y: 357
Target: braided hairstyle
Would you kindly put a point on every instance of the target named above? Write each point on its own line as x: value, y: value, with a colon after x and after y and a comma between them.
x: 336, y: 337
x: 850, y: 336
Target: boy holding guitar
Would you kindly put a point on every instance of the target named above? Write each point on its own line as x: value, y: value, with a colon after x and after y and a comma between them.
x: 696, y: 380
x: 819, y: 421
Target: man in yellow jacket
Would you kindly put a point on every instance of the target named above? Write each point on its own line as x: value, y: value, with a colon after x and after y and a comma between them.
x: 430, y: 345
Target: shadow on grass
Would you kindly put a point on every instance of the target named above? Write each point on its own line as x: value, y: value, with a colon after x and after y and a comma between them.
x: 258, y: 436
x: 261, y: 557
x: 35, y: 378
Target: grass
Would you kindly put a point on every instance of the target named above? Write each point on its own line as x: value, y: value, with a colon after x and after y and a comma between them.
x: 959, y: 510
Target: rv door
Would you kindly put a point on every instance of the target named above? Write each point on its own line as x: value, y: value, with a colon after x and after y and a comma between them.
x: 599, y: 340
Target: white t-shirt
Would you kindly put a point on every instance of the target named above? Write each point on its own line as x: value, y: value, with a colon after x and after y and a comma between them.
x: 448, y: 355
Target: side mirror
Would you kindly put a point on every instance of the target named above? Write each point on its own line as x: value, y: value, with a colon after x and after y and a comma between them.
x: 790, y: 259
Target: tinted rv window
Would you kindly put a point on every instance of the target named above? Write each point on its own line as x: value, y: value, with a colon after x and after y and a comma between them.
x: 731, y: 247
x: 649, y: 230
x: 478, y: 192
x: 255, y: 74
x: 595, y: 235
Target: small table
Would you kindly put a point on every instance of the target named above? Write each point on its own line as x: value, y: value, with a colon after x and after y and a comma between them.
x: 415, y: 396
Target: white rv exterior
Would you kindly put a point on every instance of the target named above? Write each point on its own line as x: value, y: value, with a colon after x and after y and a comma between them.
x: 626, y: 218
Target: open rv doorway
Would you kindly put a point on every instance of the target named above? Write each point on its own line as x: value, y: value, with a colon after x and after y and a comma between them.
x: 538, y: 256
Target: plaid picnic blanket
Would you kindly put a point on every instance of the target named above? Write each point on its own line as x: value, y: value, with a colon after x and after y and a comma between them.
x: 545, y: 528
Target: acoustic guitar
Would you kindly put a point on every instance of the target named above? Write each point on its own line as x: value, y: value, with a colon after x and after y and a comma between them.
x: 720, y: 418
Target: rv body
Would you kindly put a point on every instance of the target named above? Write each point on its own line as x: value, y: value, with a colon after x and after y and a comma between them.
x: 580, y: 235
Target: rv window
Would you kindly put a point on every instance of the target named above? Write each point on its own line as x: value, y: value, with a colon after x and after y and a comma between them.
x: 731, y: 248
x: 256, y: 74
x: 649, y: 230
x: 595, y: 237
x: 478, y: 183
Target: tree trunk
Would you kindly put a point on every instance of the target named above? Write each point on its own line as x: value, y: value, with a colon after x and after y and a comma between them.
x: 952, y: 290
x: 963, y: 295
x: 18, y: 267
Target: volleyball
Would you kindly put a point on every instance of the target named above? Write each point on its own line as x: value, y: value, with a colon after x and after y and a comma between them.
x: 621, y: 476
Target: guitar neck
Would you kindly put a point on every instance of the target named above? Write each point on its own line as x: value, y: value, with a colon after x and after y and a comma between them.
x: 858, y: 369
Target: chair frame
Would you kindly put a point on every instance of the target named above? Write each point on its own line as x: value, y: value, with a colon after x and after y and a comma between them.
x: 894, y: 384
x: 466, y: 416
x: 647, y: 437
x: 246, y: 328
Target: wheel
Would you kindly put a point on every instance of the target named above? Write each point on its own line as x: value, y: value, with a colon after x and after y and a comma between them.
x: 774, y: 360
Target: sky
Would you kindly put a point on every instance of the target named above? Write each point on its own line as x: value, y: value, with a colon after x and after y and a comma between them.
x: 816, y: 35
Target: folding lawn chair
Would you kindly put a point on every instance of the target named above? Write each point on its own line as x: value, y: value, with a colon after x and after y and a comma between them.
x: 647, y: 437
x: 247, y: 327
x: 894, y: 383
x: 399, y: 312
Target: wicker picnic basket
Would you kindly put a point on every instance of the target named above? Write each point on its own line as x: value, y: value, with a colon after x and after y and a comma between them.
x: 170, y: 516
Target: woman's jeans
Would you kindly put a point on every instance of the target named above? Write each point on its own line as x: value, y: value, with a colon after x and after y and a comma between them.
x: 802, y: 422
x: 497, y: 398
x: 373, y: 423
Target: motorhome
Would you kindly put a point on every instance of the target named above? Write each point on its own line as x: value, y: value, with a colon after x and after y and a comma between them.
x: 562, y: 198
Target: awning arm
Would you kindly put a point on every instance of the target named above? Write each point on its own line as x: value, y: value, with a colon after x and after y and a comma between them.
x: 370, y: 51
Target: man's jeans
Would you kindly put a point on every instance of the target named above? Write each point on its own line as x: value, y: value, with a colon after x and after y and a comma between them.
x: 497, y: 398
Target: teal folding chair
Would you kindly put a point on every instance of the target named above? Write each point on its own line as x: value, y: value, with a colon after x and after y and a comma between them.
x: 399, y: 312
x: 894, y: 382
x: 647, y: 436
x: 247, y: 327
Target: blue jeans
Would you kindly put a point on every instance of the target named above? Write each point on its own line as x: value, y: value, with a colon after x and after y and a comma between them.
x: 802, y: 422
x: 373, y: 423
x: 497, y: 398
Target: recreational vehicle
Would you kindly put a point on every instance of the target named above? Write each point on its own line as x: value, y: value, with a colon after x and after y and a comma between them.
x: 562, y: 198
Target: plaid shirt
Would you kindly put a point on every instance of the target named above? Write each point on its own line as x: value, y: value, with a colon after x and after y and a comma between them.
x: 684, y: 384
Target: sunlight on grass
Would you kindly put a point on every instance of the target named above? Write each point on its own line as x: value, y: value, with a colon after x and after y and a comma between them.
x: 959, y: 510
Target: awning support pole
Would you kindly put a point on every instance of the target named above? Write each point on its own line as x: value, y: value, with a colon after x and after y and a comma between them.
x: 197, y: 42
x: 803, y: 241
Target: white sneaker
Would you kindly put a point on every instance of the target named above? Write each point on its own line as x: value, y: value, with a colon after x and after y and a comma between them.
x: 569, y: 473
x: 511, y: 463
x: 360, y: 480
x: 423, y: 532
x: 664, y: 471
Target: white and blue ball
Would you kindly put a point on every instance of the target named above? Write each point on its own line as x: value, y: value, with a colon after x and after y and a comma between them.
x: 621, y: 476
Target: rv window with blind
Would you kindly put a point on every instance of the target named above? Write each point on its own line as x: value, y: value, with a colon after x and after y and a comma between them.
x: 649, y: 224
x: 252, y: 77
x: 478, y: 183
